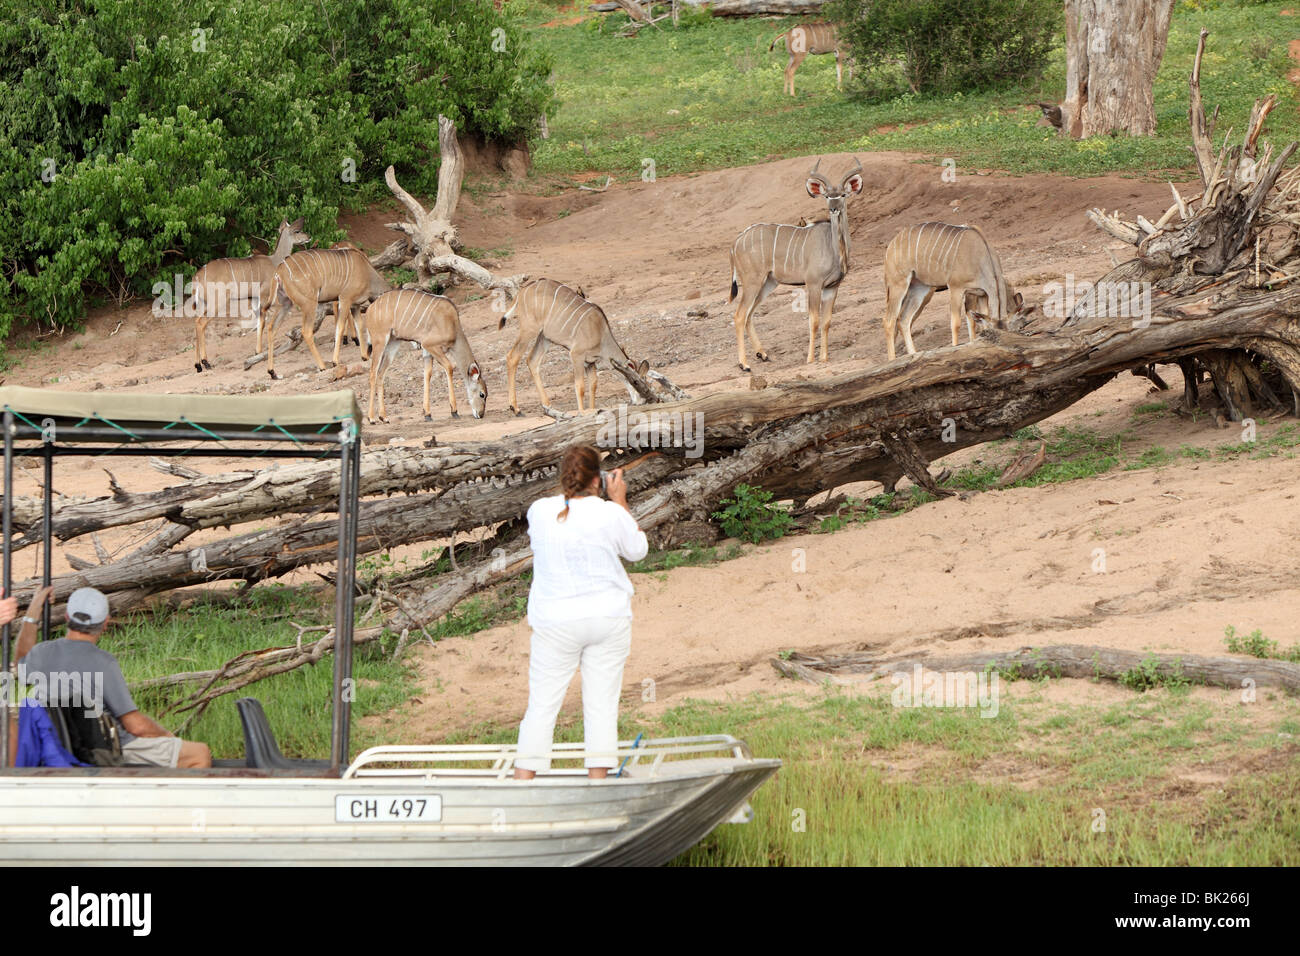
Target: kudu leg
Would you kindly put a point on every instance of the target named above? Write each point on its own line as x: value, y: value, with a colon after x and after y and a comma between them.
x: 512, y: 367
x: 341, y: 320
x: 535, y: 365
x: 591, y: 385
x: 954, y: 314
x: 378, y: 369
x: 745, y: 320
x: 200, y: 345
x: 790, y: 67
x: 447, y: 367
x: 914, y: 300
x: 828, y: 307
x: 814, y: 298
x: 579, y: 381
x: 270, y: 336
x: 308, y: 307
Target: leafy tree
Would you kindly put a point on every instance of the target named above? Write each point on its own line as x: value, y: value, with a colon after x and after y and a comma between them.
x: 139, y: 138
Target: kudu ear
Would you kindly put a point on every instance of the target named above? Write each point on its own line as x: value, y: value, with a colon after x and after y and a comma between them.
x: 297, y: 223
x: 816, y: 187
x: 1019, y: 301
x: 854, y: 184
x: 642, y: 368
x: 473, y: 370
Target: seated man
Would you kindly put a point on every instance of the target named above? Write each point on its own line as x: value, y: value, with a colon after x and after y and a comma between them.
x: 76, y: 661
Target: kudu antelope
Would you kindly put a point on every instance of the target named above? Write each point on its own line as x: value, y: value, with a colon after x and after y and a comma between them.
x: 551, y: 313
x: 433, y: 324
x: 223, y: 284
x: 812, y: 39
x: 815, y: 256
x: 932, y: 256
x: 306, y: 279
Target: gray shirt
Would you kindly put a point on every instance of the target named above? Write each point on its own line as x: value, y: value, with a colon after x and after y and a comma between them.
x: 65, y: 673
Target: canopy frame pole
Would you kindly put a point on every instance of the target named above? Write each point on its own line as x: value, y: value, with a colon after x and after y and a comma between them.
x: 7, y: 679
x: 344, y: 596
x: 47, y: 535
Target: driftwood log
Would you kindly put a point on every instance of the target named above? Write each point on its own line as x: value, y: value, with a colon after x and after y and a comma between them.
x: 1058, y: 660
x: 430, y: 244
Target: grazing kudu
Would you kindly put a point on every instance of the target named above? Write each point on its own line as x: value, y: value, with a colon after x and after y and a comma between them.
x: 815, y: 256
x: 306, y: 279
x: 551, y: 313
x: 812, y: 39
x: 432, y: 323
x: 223, y: 284
x: 932, y: 256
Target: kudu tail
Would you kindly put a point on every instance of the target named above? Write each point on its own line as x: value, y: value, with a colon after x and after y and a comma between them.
x: 772, y: 45
x: 509, y: 314
x: 735, y: 280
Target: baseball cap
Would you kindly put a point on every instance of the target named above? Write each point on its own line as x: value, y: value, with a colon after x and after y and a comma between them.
x: 87, y: 607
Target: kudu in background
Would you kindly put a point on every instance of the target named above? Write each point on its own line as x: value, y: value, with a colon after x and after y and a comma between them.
x: 222, y: 285
x: 815, y: 256
x: 433, y: 324
x: 550, y: 312
x: 932, y: 256
x: 812, y: 39
x: 306, y: 279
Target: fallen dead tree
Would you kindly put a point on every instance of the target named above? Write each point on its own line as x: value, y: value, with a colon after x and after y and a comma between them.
x: 1059, y: 660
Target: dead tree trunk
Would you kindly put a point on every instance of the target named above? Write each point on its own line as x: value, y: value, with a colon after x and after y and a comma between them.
x: 431, y: 244
x: 1059, y: 660
x: 1112, y: 53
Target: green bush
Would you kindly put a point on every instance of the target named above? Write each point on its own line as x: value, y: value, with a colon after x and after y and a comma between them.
x: 946, y: 46
x: 139, y: 138
x: 749, y: 515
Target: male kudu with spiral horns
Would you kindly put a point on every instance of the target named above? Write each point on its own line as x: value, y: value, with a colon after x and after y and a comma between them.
x: 815, y: 256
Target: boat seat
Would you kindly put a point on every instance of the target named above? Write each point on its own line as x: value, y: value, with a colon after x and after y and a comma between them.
x: 260, y: 749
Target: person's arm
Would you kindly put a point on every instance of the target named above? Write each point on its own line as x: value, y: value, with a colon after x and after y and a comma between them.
x: 27, y: 633
x: 632, y: 543
x: 142, y: 725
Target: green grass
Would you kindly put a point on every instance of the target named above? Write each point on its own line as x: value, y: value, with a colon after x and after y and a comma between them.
x: 1257, y: 645
x: 871, y: 784
x: 690, y: 556
x: 1080, y: 452
x: 709, y: 97
x: 297, y: 703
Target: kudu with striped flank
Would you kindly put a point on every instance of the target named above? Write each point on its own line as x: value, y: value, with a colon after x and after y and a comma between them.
x: 815, y: 256
x: 932, y: 256
x: 551, y: 313
x: 306, y: 279
x: 812, y: 39
x: 432, y: 323
x: 223, y: 284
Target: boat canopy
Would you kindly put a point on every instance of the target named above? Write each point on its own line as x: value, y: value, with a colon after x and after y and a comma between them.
x: 130, y: 416
x: 52, y: 424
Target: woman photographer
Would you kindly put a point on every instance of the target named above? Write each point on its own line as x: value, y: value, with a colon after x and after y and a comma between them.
x: 579, y: 607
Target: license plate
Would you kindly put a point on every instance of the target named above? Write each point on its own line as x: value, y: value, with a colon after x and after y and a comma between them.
x: 367, y: 808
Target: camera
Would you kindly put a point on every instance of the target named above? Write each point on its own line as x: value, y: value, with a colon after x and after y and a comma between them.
x: 604, y: 477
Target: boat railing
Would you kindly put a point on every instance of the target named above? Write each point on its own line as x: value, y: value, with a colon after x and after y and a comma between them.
x: 498, y: 760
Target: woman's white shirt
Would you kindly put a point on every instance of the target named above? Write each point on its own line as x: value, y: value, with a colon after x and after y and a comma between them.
x: 576, y: 568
